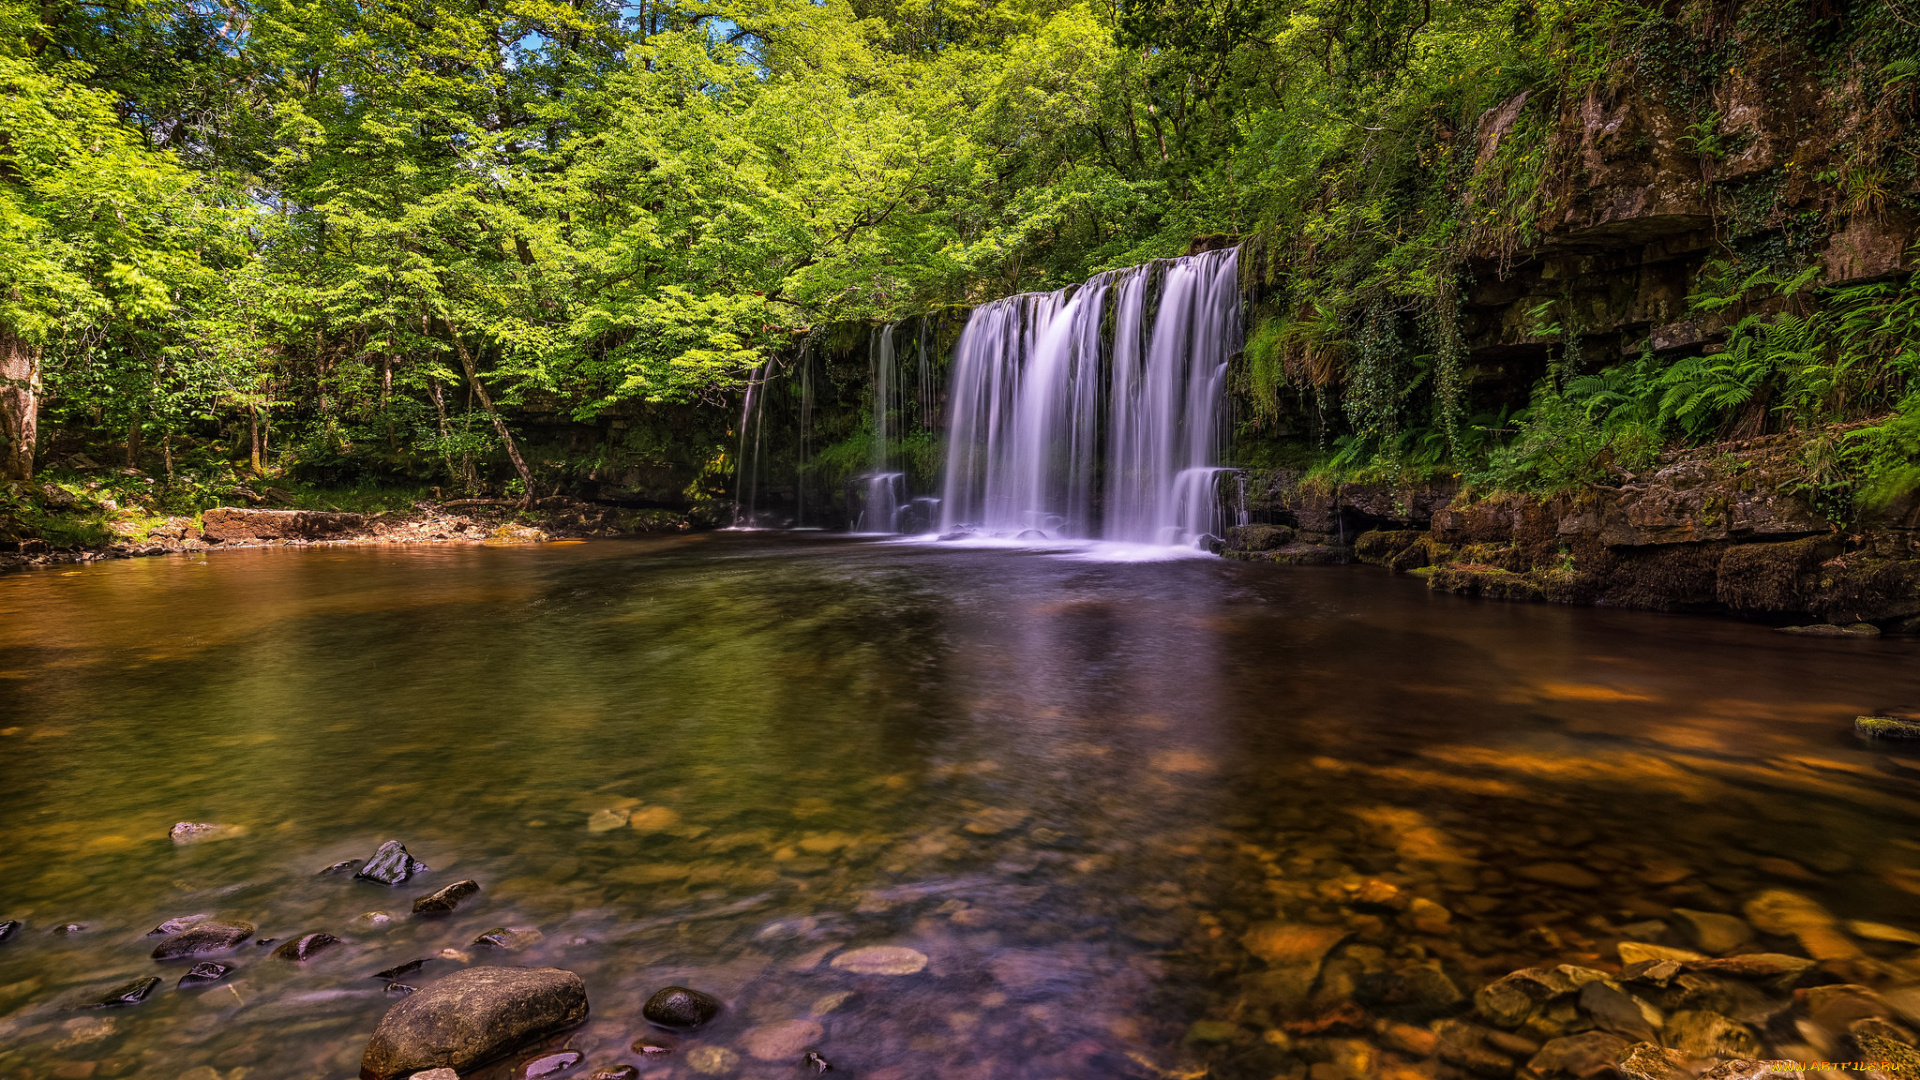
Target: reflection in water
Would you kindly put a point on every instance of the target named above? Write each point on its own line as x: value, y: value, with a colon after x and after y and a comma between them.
x: 1140, y: 818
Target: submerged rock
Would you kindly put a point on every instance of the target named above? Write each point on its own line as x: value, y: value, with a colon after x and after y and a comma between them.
x: 132, y: 993
x: 549, y: 1065
x: 1647, y: 1061
x: 509, y: 938
x: 882, y: 960
x: 9, y: 928
x: 399, y: 970
x: 1713, y: 932
x: 204, y: 974
x: 1588, y: 1054
x: 400, y: 989
x: 305, y: 947
x: 1866, y: 630
x: 202, y: 939
x: 616, y: 1072
x: 391, y: 865
x: 1900, y: 724
x: 341, y: 867
x: 174, y: 926
x: 817, y: 1064
x: 188, y: 832
x: 784, y: 1040
x: 445, y: 900
x: 679, y: 1008
x: 473, y: 1017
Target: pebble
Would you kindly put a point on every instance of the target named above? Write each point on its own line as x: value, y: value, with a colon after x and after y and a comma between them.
x: 679, y: 1008
x: 784, y: 1040
x: 1874, y: 931
x: 608, y: 820
x: 817, y: 1063
x: 651, y: 1047
x: 1713, y: 932
x: 881, y: 960
x: 712, y: 1060
x: 826, y: 1003
x: 400, y: 989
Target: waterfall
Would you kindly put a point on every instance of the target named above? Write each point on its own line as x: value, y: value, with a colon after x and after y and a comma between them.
x: 1060, y: 429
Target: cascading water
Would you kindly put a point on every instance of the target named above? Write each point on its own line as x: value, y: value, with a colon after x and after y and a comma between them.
x: 1047, y: 424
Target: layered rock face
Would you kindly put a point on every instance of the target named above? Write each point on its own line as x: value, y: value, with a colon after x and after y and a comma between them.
x: 1716, y: 529
x: 233, y: 523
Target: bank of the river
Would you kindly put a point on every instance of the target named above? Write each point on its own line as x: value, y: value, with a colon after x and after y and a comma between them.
x: 1732, y: 528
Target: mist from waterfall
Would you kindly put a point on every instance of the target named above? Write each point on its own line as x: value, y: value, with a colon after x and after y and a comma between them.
x: 1096, y: 411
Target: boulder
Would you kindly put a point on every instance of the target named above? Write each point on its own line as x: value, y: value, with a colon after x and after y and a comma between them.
x: 445, y: 900
x: 1258, y: 537
x: 473, y: 1017
x: 390, y: 865
x: 235, y: 523
x: 203, y: 939
x: 679, y: 1008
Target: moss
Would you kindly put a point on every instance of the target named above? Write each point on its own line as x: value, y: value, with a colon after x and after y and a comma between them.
x: 1886, y: 727
x: 1770, y: 577
x: 1488, y: 581
x: 1382, y: 546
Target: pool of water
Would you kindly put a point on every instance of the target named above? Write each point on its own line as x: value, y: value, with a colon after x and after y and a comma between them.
x: 1087, y: 792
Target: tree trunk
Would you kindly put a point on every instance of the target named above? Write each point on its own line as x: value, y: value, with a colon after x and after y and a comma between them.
x: 19, y: 405
x: 253, y: 435
x: 486, y: 402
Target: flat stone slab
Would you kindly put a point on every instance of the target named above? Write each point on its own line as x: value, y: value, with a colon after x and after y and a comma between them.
x: 472, y: 1017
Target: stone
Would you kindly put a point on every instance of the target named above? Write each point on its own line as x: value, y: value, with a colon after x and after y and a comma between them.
x: 69, y: 929
x: 174, y: 926
x: 881, y: 960
x: 8, y: 929
x: 1789, y: 914
x: 1635, y: 952
x: 1581, y: 1056
x: 473, y: 1017
x: 205, y: 973
x: 435, y: 1074
x: 1874, y: 931
x: 132, y: 993
x: 784, y: 1040
x: 509, y: 938
x: 616, y: 1072
x: 1835, y: 1007
x: 399, y: 971
x: 445, y: 900
x: 1258, y: 537
x: 608, y: 820
x: 1510, y: 1000
x: 1416, y: 992
x: 374, y: 918
x: 1283, y: 944
x: 995, y: 820
x: 390, y: 865
x: 1703, y: 1034
x: 651, y: 1047
x: 400, y: 989
x: 203, y: 939
x: 1646, y: 1061
x: 546, y: 1065
x: 305, y: 947
x: 511, y: 533
x: 191, y: 832
x: 1881, y: 1041
x: 712, y: 1060
x: 1563, y: 874
x: 1899, y: 727
x: 237, y: 523
x: 816, y: 1064
x: 1855, y: 630
x: 342, y: 867
x: 1615, y: 1010
x: 1752, y: 966
x: 1712, y: 932
x: 653, y: 819
x: 679, y: 1008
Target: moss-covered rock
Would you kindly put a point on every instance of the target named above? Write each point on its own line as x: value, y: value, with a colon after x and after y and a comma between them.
x: 1382, y: 546
x: 1258, y: 537
x: 1491, y: 582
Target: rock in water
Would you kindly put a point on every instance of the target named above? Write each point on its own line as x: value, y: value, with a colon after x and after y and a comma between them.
x: 882, y: 960
x: 509, y: 938
x: 391, y: 865
x: 784, y: 1040
x: 445, y: 900
x: 341, y: 867
x: 616, y: 1072
x: 549, y: 1065
x: 400, y: 989
x: 207, y: 937
x: 816, y: 1063
x: 9, y: 928
x: 399, y: 970
x: 305, y: 947
x: 1900, y: 724
x: 680, y: 1008
x: 174, y: 926
x: 132, y: 993
x: 187, y: 832
x: 472, y: 1017
x: 204, y: 974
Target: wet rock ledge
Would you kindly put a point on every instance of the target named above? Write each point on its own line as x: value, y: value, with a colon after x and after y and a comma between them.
x: 1717, y: 529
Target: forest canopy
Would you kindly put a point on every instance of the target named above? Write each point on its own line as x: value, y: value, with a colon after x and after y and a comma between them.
x: 364, y: 237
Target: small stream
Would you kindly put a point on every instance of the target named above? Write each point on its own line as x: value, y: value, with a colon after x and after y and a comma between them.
x: 1085, y: 791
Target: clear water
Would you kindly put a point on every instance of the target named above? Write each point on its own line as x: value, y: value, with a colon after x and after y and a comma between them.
x: 1072, y: 784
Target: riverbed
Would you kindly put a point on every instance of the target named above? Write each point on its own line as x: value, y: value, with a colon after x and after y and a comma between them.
x: 1085, y: 791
